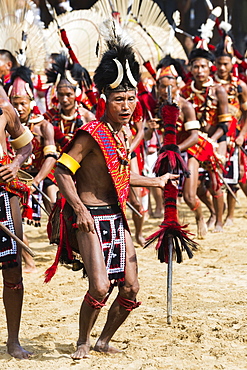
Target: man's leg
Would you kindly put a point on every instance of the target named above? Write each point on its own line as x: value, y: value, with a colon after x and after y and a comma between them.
x: 135, y: 201
x: 204, y: 195
x: 29, y: 263
x: 159, y: 202
x: 13, y: 292
x: 93, y: 260
x: 231, y: 203
x: 189, y: 193
x: 218, y: 200
x: 51, y: 192
x: 124, y: 303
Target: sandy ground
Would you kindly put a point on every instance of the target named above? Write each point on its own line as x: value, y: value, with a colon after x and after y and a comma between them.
x: 208, y: 329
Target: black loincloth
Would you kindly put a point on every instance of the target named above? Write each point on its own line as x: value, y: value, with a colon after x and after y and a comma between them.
x: 109, y: 226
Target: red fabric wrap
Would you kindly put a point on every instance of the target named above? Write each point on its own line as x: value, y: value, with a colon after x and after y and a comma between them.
x: 50, y: 272
x: 204, y: 152
x: 91, y: 301
x: 170, y: 114
x: 127, y: 303
x: 169, y: 159
x: 16, y: 187
x: 170, y: 228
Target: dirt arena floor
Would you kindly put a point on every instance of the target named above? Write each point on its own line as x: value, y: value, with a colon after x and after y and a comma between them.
x: 209, y: 323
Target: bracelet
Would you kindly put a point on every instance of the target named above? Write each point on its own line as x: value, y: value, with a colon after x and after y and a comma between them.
x: 22, y: 140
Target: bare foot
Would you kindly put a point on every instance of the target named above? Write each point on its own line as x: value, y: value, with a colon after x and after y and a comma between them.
x: 104, y: 347
x: 158, y: 214
x: 201, y: 229
x: 140, y: 240
x: 218, y: 228
x: 211, y: 222
x: 228, y: 222
x: 30, y: 269
x: 81, y: 352
x: 15, y: 350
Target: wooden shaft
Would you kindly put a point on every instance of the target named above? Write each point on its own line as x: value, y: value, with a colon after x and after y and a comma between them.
x: 169, y: 280
x: 18, y: 240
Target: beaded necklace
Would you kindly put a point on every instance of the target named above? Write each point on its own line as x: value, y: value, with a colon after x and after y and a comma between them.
x: 124, y: 159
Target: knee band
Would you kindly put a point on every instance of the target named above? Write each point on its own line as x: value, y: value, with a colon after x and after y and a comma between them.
x: 127, y: 304
x: 13, y: 286
x: 218, y: 196
x: 91, y: 301
x: 196, y: 205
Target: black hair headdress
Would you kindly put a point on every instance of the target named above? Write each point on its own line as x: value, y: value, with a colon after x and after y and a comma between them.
x: 201, y: 53
x: 73, y: 73
x: 118, y: 69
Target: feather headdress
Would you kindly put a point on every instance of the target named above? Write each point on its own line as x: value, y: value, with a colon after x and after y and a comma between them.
x: 82, y: 30
x: 21, y: 33
x: 147, y: 25
x: 201, y: 50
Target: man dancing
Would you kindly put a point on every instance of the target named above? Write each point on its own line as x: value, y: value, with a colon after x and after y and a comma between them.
x: 237, y: 100
x: 10, y: 189
x: 211, y: 106
x: 99, y: 156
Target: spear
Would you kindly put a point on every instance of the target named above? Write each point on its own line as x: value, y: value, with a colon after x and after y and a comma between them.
x: 172, y: 237
x: 18, y: 240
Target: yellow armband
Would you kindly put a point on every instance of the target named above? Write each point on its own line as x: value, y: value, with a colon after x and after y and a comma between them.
x: 192, y: 125
x: 69, y: 162
x: 224, y: 117
x: 22, y: 140
x: 50, y: 149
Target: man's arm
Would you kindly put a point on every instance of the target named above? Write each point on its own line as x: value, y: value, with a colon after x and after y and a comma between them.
x: 156, y: 182
x: 81, y: 147
x: 138, y: 137
x: 47, y: 132
x: 243, y: 105
x: 222, y: 110
x: 191, y: 125
x: 86, y: 114
x: 15, y: 129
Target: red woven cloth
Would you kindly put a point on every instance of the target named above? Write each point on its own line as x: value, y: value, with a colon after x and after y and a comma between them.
x: 170, y: 160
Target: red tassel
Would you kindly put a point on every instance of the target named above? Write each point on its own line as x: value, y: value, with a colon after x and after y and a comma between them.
x: 92, y: 96
x: 150, y: 69
x: 213, y: 69
x: 50, y: 272
x: 27, y: 212
x: 67, y: 44
x: 100, y: 107
x: 36, y: 110
x: 138, y: 112
x: 141, y: 87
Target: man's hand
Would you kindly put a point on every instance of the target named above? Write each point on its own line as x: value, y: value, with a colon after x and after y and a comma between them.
x: 239, y: 140
x: 85, y: 221
x: 153, y: 123
x: 8, y: 172
x: 168, y: 176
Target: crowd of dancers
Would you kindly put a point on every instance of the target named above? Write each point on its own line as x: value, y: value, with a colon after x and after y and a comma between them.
x: 45, y: 109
